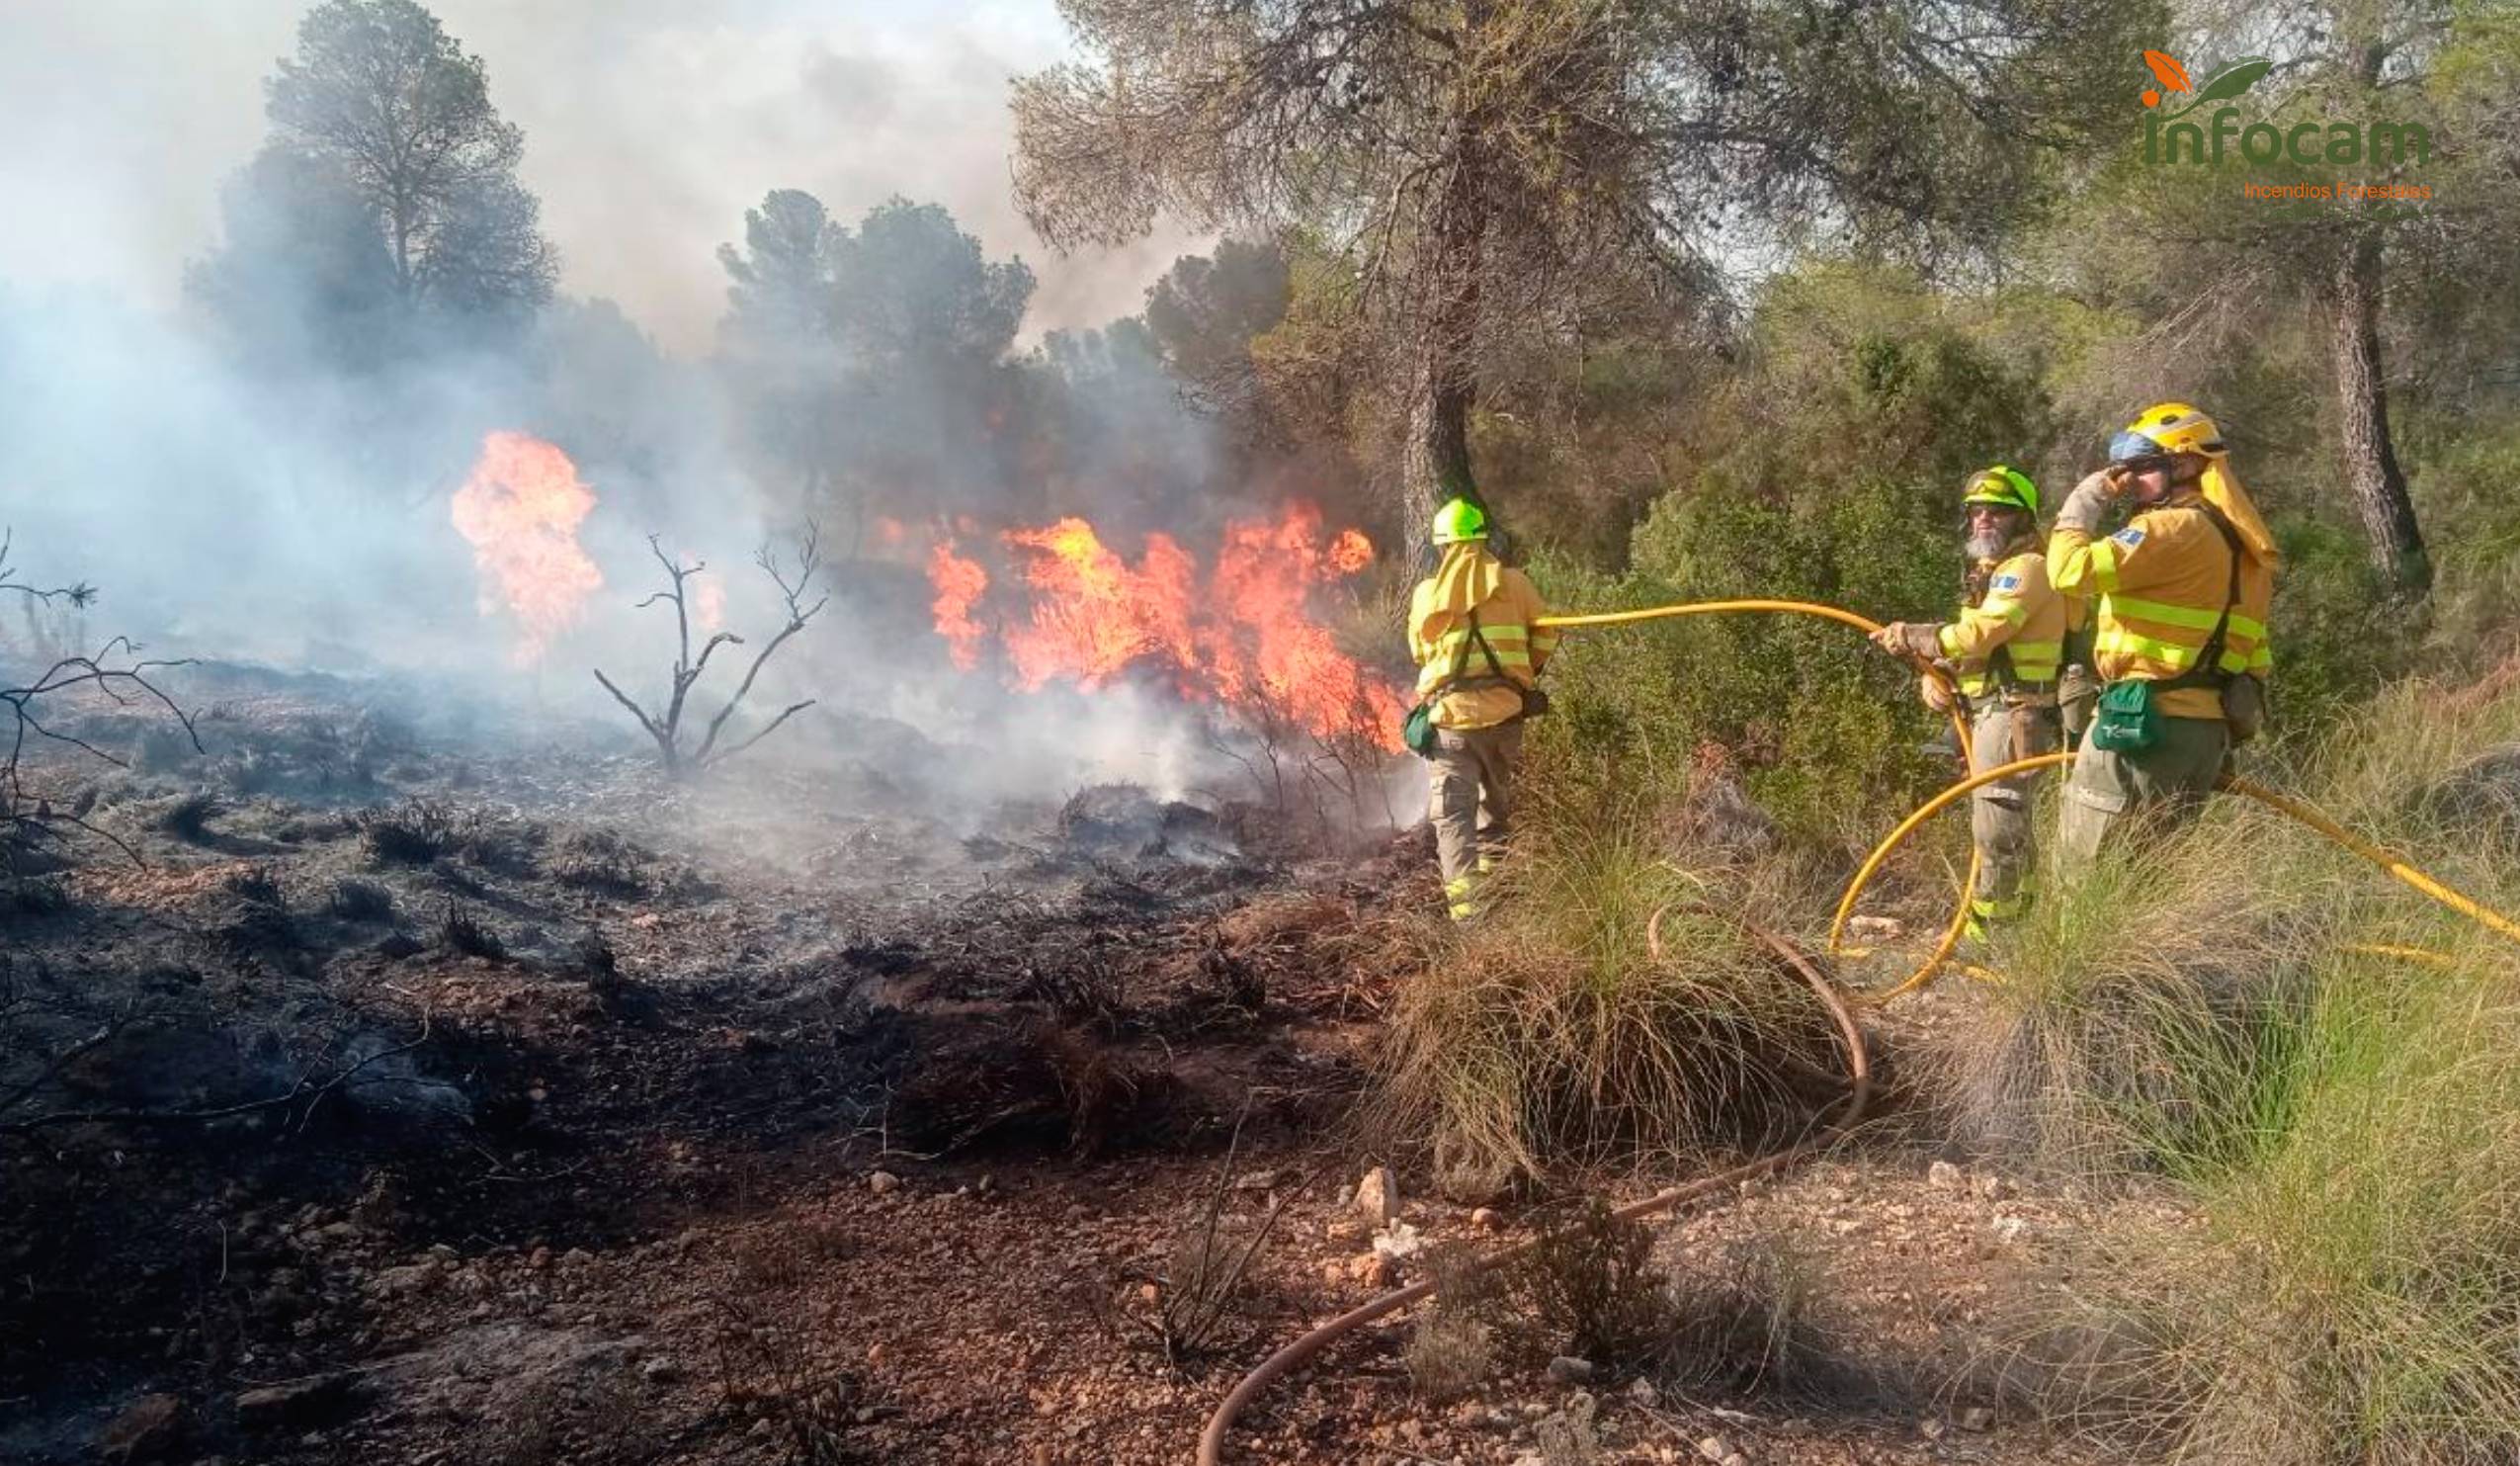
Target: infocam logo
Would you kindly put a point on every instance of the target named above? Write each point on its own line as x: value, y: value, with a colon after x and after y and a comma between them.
x: 2199, y: 144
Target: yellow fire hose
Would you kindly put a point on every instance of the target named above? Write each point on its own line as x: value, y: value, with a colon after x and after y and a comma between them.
x: 1959, y: 728
x: 1211, y: 1440
x: 2281, y: 804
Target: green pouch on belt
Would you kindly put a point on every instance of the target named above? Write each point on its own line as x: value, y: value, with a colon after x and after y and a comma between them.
x: 2125, y: 721
x: 1418, y: 731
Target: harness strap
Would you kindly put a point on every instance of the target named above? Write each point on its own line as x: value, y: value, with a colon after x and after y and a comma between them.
x: 2208, y: 669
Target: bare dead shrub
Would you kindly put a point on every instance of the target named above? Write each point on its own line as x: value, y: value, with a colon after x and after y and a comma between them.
x: 1447, y: 1355
x: 597, y: 960
x: 259, y: 884
x: 29, y: 816
x: 41, y: 896
x: 767, y: 1366
x: 187, y: 816
x: 462, y: 934
x: 1594, y: 1285
x: 600, y: 861
x: 665, y: 726
x: 354, y: 900
x: 414, y: 833
x: 1451, y: 1348
x: 1748, y: 1320
x: 1199, y: 1299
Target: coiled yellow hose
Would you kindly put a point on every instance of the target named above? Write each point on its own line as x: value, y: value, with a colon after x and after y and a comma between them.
x: 2284, y: 803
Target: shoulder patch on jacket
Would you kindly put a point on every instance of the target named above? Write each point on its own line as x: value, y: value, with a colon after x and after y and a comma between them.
x: 2006, y: 581
x: 2130, y: 537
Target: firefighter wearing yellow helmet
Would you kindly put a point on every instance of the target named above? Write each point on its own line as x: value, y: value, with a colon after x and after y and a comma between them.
x: 2005, y: 653
x: 1478, y: 656
x: 2180, y: 597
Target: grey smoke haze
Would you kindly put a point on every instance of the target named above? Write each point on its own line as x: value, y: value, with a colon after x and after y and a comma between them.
x: 650, y: 126
x: 300, y: 516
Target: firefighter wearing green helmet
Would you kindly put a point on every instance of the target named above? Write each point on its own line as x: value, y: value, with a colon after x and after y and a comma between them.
x: 1479, y: 650
x: 2005, y: 653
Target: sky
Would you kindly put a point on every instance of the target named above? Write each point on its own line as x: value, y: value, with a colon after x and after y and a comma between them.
x: 650, y: 126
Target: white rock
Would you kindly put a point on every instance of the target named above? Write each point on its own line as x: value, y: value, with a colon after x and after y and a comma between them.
x: 1399, y: 1241
x: 1715, y: 1449
x: 1643, y: 1393
x: 1945, y: 1176
x: 883, y: 1182
x: 1976, y: 1417
x: 1567, y: 1369
x: 1379, y: 1197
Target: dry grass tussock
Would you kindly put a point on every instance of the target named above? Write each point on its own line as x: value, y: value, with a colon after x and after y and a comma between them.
x: 2337, y: 1122
x: 1546, y: 1033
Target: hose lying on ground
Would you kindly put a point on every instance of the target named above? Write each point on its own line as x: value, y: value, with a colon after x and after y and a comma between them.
x: 1859, y: 1070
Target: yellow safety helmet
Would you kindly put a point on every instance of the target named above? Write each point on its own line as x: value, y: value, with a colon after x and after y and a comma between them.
x: 1458, y: 520
x: 2002, y: 486
x: 2163, y: 429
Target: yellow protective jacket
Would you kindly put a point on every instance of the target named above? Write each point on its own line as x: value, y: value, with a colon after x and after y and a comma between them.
x: 1470, y: 579
x: 2020, y: 614
x: 2159, y: 586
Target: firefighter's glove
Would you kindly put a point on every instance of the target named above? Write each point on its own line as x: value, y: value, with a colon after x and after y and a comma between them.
x: 1935, y: 691
x: 2088, y: 505
x: 1917, y: 641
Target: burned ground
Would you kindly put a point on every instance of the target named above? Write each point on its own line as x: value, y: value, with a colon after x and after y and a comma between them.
x: 421, y: 1101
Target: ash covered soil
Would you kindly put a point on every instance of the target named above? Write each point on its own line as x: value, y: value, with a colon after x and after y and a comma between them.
x: 448, y: 1086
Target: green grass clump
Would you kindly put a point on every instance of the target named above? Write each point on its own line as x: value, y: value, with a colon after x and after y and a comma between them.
x: 2205, y: 1021
x: 1547, y: 1032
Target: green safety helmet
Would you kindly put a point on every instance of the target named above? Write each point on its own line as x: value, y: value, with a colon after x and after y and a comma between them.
x: 1459, y: 520
x: 2003, y: 487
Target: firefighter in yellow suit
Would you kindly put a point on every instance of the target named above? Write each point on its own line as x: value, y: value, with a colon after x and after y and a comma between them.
x: 2179, y: 602
x: 2006, y: 652
x: 1479, y: 653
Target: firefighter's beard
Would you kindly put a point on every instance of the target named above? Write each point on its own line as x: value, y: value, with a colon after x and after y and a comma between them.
x: 1988, y: 545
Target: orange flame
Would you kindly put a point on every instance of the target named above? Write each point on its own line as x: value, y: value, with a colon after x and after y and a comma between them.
x: 521, y: 509
x: 1242, y: 639
x: 958, y: 583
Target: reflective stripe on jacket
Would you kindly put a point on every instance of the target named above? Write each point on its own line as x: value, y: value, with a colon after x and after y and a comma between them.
x: 1505, y: 625
x: 2019, y: 613
x: 2159, y: 586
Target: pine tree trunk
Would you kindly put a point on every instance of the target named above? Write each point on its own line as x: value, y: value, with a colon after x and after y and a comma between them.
x: 2371, y: 473
x: 1435, y: 458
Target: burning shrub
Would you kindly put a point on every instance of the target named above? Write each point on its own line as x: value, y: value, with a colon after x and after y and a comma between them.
x: 666, y: 726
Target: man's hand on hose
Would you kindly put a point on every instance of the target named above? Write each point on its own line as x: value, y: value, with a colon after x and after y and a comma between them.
x: 1935, y: 691
x: 1918, y: 641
